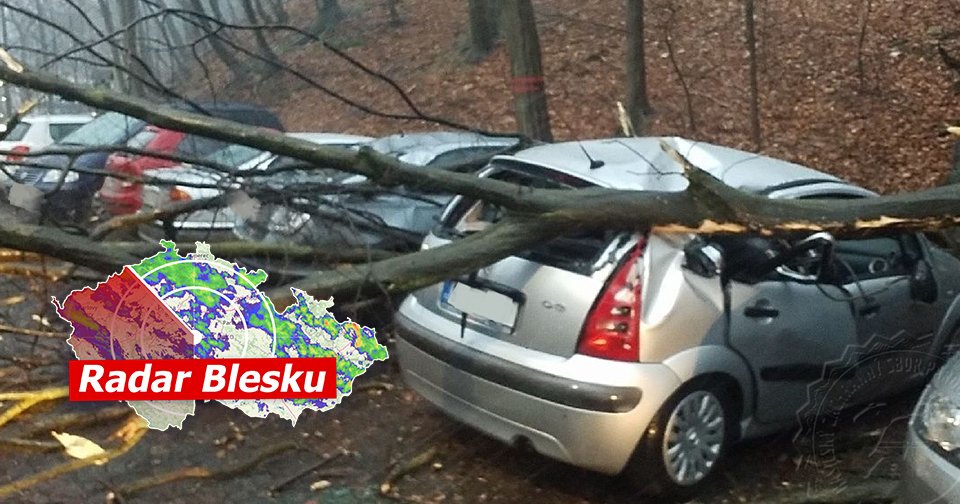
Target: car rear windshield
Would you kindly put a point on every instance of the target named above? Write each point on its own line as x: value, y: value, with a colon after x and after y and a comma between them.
x: 578, y: 252
x: 18, y: 132
x: 234, y: 155
x: 59, y: 131
x: 111, y: 128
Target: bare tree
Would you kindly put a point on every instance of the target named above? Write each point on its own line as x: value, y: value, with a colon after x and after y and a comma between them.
x: 756, y: 133
x: 329, y: 14
x: 131, y: 42
x: 483, y: 28
x: 637, y: 102
x: 218, y: 45
x: 526, y: 69
x: 269, y: 57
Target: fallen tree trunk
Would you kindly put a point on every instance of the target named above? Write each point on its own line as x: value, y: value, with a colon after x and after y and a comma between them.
x: 534, y: 215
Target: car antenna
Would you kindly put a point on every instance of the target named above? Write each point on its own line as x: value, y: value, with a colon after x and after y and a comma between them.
x: 594, y: 163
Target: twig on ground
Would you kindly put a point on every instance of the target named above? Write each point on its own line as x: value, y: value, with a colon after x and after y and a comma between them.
x: 77, y: 420
x: 400, y: 470
x: 198, y: 472
x: 4, y: 328
x: 27, y: 400
x: 133, y: 431
x: 275, y: 489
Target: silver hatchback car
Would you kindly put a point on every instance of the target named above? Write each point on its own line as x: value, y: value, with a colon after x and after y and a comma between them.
x: 931, y: 473
x: 649, y: 353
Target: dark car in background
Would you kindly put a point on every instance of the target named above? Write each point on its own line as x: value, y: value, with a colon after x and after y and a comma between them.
x: 69, y: 196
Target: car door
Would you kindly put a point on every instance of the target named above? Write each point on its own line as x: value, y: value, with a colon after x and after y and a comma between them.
x: 787, y: 326
x: 878, y: 272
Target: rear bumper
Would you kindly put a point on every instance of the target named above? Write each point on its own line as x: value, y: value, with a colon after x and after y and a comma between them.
x: 123, y: 201
x: 591, y: 425
x: 927, y: 477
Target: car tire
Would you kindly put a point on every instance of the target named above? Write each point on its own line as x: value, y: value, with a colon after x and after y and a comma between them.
x: 702, y: 416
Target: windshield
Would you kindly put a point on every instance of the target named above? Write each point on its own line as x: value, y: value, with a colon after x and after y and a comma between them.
x: 234, y: 155
x: 18, y: 132
x: 111, y: 128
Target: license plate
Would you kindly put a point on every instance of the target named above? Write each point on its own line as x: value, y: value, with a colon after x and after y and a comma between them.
x: 481, y: 303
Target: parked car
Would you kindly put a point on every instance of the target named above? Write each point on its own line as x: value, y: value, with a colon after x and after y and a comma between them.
x: 121, y: 197
x: 35, y: 132
x: 931, y: 472
x: 69, y: 197
x: 362, y: 215
x: 218, y: 222
x: 67, y: 194
x: 646, y: 353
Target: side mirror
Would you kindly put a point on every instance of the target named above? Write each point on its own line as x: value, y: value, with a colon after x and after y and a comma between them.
x: 703, y: 258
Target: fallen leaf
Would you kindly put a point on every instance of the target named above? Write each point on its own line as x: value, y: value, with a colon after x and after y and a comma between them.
x: 79, y: 446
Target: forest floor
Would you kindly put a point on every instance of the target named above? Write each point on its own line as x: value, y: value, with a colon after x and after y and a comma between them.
x: 381, y: 427
x: 871, y: 111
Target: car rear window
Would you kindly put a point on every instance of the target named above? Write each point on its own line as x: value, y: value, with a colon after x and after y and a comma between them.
x: 198, y: 146
x: 111, y: 128
x: 578, y: 252
x: 234, y: 155
x: 18, y: 132
x: 59, y: 131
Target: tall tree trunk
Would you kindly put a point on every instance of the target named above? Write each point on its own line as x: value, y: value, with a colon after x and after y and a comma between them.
x: 262, y: 13
x: 131, y: 45
x: 637, y: 103
x: 219, y: 48
x: 329, y: 13
x: 119, y: 79
x: 280, y: 11
x: 263, y: 47
x: 755, y: 132
x: 523, y: 45
x: 483, y: 28
x: 395, y: 19
x: 4, y: 35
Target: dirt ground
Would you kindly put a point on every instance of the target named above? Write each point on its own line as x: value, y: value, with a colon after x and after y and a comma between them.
x: 382, y: 425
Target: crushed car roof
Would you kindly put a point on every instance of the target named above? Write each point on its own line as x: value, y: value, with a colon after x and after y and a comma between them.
x: 641, y: 164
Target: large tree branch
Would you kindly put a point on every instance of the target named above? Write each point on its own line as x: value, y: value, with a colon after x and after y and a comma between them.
x: 534, y: 216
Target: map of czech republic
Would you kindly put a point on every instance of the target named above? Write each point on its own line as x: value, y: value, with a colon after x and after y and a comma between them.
x: 196, y: 306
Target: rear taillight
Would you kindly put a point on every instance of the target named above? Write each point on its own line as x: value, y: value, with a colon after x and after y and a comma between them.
x: 17, y: 152
x: 612, y: 329
x: 177, y: 194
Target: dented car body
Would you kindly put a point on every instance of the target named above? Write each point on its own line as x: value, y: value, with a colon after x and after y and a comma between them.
x: 650, y: 354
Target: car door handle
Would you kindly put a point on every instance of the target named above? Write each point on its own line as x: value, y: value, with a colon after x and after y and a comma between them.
x: 760, y: 311
x: 869, y: 310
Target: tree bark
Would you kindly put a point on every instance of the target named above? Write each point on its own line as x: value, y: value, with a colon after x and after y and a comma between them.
x: 637, y: 103
x: 756, y: 133
x: 526, y: 70
x: 483, y: 28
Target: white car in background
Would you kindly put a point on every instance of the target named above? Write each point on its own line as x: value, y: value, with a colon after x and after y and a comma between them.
x: 183, y: 181
x: 35, y: 132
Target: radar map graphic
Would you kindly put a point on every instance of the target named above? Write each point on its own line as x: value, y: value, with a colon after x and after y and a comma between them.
x: 196, y: 306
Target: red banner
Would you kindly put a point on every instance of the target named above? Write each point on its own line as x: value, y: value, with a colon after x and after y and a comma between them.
x: 203, y: 379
